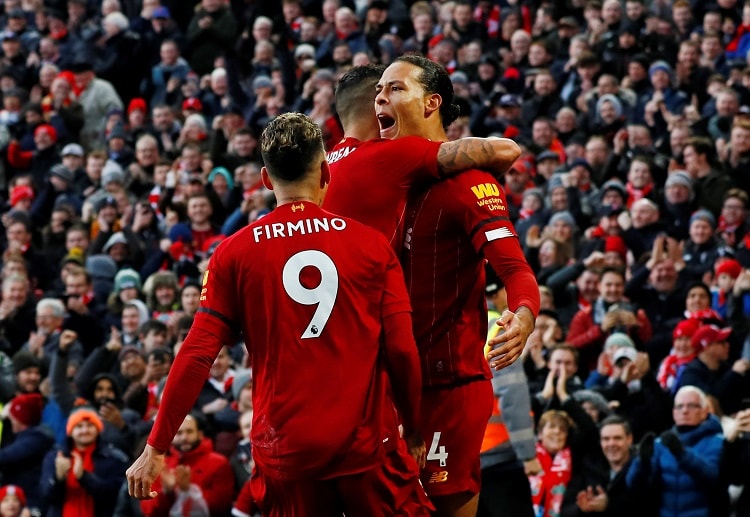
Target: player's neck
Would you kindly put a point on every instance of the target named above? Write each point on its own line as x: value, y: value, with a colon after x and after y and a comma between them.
x: 436, y: 134
x: 287, y: 197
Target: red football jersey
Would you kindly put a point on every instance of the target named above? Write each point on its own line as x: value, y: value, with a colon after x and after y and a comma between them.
x: 450, y: 229
x: 371, y: 181
x: 309, y: 291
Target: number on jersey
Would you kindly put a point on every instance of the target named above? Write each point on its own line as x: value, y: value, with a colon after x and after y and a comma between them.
x: 324, y: 295
x: 435, y: 452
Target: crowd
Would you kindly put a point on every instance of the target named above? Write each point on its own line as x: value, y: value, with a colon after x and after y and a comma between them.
x: 129, y: 135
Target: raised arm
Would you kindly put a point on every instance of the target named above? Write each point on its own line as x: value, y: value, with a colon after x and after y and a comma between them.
x: 495, y: 155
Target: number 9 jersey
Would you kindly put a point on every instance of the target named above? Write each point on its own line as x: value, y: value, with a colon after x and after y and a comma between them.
x: 309, y: 291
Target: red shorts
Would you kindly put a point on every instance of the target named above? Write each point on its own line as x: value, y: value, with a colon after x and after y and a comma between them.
x: 391, y: 489
x: 453, y: 422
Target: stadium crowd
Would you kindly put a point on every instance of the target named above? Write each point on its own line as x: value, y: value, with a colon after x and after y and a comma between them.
x: 129, y: 134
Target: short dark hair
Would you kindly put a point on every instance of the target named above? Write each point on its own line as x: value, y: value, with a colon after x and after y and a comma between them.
x: 702, y: 145
x: 200, y: 420
x: 289, y: 144
x: 152, y: 325
x: 435, y: 79
x: 617, y: 420
x: 355, y: 92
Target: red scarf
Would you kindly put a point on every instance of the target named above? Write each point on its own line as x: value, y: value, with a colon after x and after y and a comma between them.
x: 491, y: 21
x: 634, y: 194
x: 669, y: 369
x: 548, y: 487
x: 78, y: 502
x: 724, y: 226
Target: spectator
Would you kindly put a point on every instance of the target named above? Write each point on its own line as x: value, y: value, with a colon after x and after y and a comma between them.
x: 16, y: 312
x: 711, y: 373
x: 13, y: 501
x: 682, y: 465
x: 195, y: 476
x: 45, y: 340
x: 211, y: 33
x: 21, y: 460
x: 610, y: 312
x: 601, y: 489
x: 84, y: 476
x: 708, y: 183
x: 97, y: 97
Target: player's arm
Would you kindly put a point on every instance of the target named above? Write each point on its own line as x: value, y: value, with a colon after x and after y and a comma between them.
x: 402, y: 361
x: 401, y: 355
x: 485, y: 209
x: 508, y: 261
x: 492, y: 154
x: 186, y: 378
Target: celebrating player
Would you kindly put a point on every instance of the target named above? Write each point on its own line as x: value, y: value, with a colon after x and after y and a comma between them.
x: 372, y: 176
x: 450, y: 229
x: 293, y: 283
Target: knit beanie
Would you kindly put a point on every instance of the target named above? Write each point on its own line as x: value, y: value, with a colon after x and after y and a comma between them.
x: 83, y: 413
x: 27, y: 408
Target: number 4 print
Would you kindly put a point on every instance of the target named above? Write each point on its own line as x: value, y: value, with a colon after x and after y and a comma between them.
x: 436, y: 453
x: 324, y: 295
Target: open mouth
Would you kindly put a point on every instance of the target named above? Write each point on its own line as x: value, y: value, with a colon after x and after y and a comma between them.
x: 386, y: 122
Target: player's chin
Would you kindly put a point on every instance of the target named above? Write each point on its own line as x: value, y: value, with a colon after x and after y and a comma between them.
x: 390, y: 133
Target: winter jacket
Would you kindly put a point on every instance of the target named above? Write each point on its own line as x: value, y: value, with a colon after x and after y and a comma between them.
x: 103, y: 484
x: 20, y: 461
x: 209, y: 470
x: 689, y: 486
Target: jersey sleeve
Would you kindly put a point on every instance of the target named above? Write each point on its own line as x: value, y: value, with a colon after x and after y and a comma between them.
x: 493, y: 235
x: 214, y: 326
x: 416, y: 158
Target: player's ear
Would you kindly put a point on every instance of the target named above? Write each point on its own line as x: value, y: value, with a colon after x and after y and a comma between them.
x: 432, y: 103
x: 265, y: 178
x: 325, y: 174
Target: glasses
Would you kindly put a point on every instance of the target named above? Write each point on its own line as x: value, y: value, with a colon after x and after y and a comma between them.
x: 688, y: 405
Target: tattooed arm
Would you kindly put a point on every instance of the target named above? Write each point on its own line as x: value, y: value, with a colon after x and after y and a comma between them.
x: 495, y: 155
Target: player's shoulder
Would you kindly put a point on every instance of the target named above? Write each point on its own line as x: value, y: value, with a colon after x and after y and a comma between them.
x: 472, y: 181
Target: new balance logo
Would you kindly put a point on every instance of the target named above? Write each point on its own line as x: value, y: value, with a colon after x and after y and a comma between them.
x: 499, y: 233
x: 485, y: 190
x: 439, y: 477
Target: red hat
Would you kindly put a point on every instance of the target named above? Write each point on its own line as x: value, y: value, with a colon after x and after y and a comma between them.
x: 13, y: 490
x: 617, y: 244
x: 192, y: 103
x: 730, y: 267
x: 19, y: 193
x: 27, y: 408
x: 137, y: 104
x: 707, y: 334
x: 49, y: 130
x: 79, y: 415
x: 686, y: 328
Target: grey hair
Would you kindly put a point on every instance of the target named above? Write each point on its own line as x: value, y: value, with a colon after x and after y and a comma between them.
x: 56, y: 305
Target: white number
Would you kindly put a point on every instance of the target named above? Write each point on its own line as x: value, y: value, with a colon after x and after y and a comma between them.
x: 324, y: 295
x: 435, y: 453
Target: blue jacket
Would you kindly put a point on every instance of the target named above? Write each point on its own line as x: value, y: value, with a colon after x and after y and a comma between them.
x: 687, y: 485
x: 20, y: 461
x: 103, y: 484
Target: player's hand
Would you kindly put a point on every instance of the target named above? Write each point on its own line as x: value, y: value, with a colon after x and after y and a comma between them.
x: 417, y: 448
x: 518, y: 326
x: 142, y: 474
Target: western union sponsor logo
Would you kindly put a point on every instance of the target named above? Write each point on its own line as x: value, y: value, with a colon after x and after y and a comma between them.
x: 485, y: 190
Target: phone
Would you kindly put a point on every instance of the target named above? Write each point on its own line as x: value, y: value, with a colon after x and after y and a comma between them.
x: 745, y: 404
x: 746, y: 350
